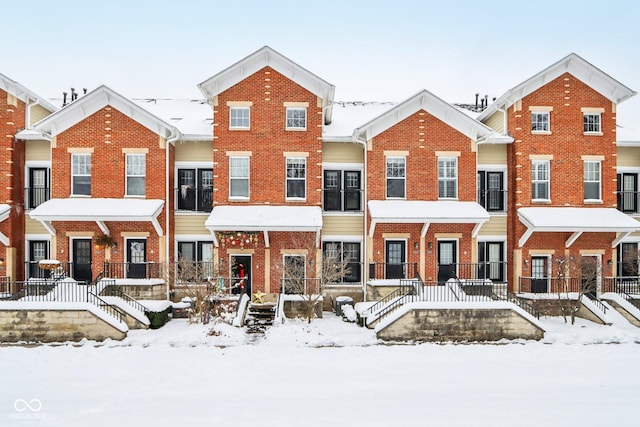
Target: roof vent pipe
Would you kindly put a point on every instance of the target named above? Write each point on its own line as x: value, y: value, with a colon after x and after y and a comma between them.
x: 64, y: 98
x: 477, y: 95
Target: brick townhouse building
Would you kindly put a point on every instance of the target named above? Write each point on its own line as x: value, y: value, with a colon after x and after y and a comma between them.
x: 269, y: 172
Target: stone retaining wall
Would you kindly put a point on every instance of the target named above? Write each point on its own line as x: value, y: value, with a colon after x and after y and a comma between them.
x: 54, y: 326
x: 465, y: 324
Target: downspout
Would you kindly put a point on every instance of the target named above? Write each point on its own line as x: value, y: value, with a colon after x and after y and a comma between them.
x: 171, y: 140
x: 357, y: 139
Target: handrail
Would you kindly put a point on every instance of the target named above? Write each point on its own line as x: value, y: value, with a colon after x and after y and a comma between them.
x: 529, y: 308
x: 597, y: 302
x: 102, y: 304
x: 116, y: 291
x: 401, y: 291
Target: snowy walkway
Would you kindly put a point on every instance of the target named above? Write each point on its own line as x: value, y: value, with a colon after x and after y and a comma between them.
x: 330, y: 373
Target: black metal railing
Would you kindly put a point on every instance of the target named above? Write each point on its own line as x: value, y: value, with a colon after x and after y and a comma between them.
x: 622, y: 284
x: 550, y: 285
x: 35, y: 196
x: 511, y: 297
x: 383, y: 270
x: 628, y: 201
x: 301, y: 286
x: 492, y: 200
x: 113, y: 290
x: 113, y: 310
x: 132, y: 270
x: 33, y: 270
x: 349, y: 200
x: 486, y: 270
x: 199, y: 199
x: 5, y: 286
x: 405, y: 288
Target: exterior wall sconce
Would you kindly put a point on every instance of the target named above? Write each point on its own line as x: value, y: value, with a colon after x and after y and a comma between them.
x: 430, y: 245
x: 416, y: 246
x: 609, y: 261
x: 526, y: 264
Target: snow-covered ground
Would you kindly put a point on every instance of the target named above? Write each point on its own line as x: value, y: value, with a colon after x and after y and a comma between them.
x: 329, y: 373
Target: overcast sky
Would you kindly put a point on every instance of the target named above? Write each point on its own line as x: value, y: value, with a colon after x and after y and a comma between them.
x: 370, y: 50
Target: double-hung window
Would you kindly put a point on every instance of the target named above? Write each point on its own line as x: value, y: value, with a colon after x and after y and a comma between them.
x: 239, y: 118
x: 239, y: 177
x: 592, y: 123
x: 136, y: 174
x: 592, y: 180
x: 296, y: 118
x: 341, y: 261
x: 296, y: 178
x: 396, y: 177
x: 540, y: 121
x: 81, y: 174
x: 195, y: 189
x: 447, y: 177
x: 540, y: 180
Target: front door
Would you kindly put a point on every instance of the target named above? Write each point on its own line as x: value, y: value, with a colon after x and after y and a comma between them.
x: 137, y: 258
x: 82, y: 260
x: 447, y: 258
x: 539, y: 271
x: 395, y: 258
x: 241, y: 272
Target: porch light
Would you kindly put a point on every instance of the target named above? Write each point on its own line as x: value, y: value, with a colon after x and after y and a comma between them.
x: 1, y: 261
x: 416, y: 246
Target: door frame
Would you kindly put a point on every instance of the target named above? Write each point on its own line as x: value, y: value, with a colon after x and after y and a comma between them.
x: 456, y: 250
x: 396, y: 270
x: 598, y: 257
x: 127, y: 255
x: 248, y: 270
x: 73, y: 254
x: 547, y: 273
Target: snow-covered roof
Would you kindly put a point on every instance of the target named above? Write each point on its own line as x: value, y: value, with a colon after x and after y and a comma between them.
x: 576, y: 220
x: 99, y: 210
x: 95, y: 100
x: 192, y: 117
x: 426, y: 212
x: 348, y: 115
x: 574, y: 65
x: 267, y: 57
x: 260, y: 218
x: 23, y: 94
x: 425, y: 100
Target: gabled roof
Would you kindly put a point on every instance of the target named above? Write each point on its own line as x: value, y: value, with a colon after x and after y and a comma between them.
x: 425, y: 100
x: 577, y: 67
x: 95, y: 100
x: 268, y: 57
x: 23, y: 94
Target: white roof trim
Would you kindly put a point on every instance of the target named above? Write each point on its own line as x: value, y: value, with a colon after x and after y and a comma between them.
x: 426, y: 212
x: 24, y: 94
x: 575, y: 220
x: 425, y: 100
x: 32, y: 135
x: 263, y: 57
x: 264, y: 218
x: 573, y: 64
x: 99, y: 211
x: 95, y: 100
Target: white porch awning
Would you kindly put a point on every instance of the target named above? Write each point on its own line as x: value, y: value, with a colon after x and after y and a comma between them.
x: 426, y: 212
x: 264, y: 218
x: 98, y: 210
x: 576, y: 220
x: 5, y: 210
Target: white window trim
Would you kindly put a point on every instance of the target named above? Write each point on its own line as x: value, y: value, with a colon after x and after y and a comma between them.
x: 73, y: 155
x: 126, y: 175
x: 286, y: 165
x: 541, y: 132
x: 386, y: 177
x: 592, y: 113
x: 295, y: 128
x: 248, y: 178
x: 599, y: 163
x: 548, y: 181
x: 445, y: 179
x: 238, y: 108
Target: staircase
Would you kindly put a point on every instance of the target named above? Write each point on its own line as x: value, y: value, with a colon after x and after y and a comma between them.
x: 260, y: 316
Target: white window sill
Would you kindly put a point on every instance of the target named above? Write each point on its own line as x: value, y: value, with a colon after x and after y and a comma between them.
x: 134, y: 196
x: 238, y: 199
x: 592, y: 133
x: 239, y: 128
x: 295, y: 129
x: 541, y: 132
x: 593, y: 202
x: 541, y: 201
x: 296, y: 199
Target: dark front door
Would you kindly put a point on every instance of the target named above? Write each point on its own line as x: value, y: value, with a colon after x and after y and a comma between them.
x: 82, y: 260
x: 539, y: 279
x: 447, y: 259
x: 38, y: 187
x: 590, y: 275
x: 352, y: 191
x: 137, y: 258
x: 628, y: 192
x: 395, y: 258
